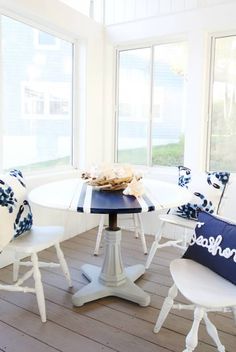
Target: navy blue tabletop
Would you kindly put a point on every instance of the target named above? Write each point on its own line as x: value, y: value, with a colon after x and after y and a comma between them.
x: 110, y: 202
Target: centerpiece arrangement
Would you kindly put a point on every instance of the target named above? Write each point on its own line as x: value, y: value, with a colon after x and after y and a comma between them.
x: 115, y: 177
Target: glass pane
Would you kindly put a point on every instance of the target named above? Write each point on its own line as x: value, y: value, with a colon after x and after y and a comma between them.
x: 37, y: 97
x: 168, y: 111
x: 133, y: 105
x: 223, y: 122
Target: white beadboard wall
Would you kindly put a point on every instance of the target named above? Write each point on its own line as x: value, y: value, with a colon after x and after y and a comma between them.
x: 121, y: 11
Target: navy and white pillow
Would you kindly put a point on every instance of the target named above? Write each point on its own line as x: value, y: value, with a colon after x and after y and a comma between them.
x: 15, y: 212
x: 214, y: 245
x: 207, y: 189
x: 24, y: 217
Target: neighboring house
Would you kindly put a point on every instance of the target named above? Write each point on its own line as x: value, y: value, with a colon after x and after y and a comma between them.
x: 37, y: 75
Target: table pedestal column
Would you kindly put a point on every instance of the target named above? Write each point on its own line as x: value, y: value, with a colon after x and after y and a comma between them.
x: 112, y: 273
x: 112, y: 279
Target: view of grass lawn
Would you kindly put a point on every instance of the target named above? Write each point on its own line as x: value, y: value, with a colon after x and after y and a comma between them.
x: 222, y: 151
x: 165, y: 155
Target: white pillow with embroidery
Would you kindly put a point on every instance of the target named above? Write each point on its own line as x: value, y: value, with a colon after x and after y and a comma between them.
x: 15, y: 212
x: 207, y: 191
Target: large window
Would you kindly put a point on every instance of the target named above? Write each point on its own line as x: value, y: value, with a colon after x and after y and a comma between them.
x: 37, y: 97
x: 151, y: 105
x: 222, y: 136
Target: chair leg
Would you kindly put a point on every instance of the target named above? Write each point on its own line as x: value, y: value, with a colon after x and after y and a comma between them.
x: 16, y: 266
x: 136, y: 226
x: 167, y: 305
x: 234, y: 314
x: 63, y: 264
x: 38, y: 287
x: 99, y: 235
x: 184, y: 241
x: 212, y: 331
x: 155, y: 245
x: 192, y: 337
x: 142, y: 235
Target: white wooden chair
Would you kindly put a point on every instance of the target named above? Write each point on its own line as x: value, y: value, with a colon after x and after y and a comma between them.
x: 207, y: 292
x: 16, y: 221
x: 179, y: 241
x: 182, y: 238
x: 32, y: 242
x: 137, y: 228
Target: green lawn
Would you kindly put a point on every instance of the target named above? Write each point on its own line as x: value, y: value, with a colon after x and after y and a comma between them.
x: 164, y: 155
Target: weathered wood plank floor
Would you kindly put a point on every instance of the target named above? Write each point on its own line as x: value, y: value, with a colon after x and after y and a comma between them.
x: 110, y: 324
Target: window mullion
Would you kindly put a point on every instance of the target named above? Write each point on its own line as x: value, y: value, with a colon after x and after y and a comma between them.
x: 116, y: 110
x: 149, y: 153
x: 222, y: 105
x: 210, y: 102
x: 78, y: 125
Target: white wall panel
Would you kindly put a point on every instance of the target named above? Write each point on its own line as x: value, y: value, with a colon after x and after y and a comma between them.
x: 191, y: 4
x: 140, y: 8
x: 178, y: 5
x: 165, y: 6
x: 153, y: 8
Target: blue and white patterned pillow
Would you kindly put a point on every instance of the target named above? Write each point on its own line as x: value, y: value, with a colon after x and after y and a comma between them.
x: 24, y: 217
x: 214, y: 245
x: 207, y: 189
x: 15, y: 212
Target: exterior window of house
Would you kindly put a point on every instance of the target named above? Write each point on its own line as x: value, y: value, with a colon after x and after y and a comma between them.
x: 43, y: 40
x: 34, y: 102
x: 222, y: 133
x: 37, y: 98
x: 151, y: 105
x: 46, y: 100
x: 58, y: 106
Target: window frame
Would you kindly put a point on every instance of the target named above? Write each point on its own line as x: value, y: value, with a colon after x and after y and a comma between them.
x: 62, y: 34
x: 135, y: 46
x: 211, y: 62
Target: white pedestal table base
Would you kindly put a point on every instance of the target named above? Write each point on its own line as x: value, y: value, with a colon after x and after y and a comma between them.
x: 112, y: 279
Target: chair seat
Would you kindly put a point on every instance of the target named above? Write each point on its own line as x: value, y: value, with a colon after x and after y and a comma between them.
x: 195, y: 281
x: 37, y: 239
x: 178, y: 220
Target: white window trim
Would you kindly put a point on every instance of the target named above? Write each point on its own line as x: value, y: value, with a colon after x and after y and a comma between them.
x: 133, y: 46
x: 76, y: 117
x: 211, y: 60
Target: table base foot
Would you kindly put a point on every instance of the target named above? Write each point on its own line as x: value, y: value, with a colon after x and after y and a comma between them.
x: 96, y: 289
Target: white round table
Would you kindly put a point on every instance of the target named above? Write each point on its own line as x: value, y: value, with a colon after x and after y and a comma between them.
x: 112, y: 279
